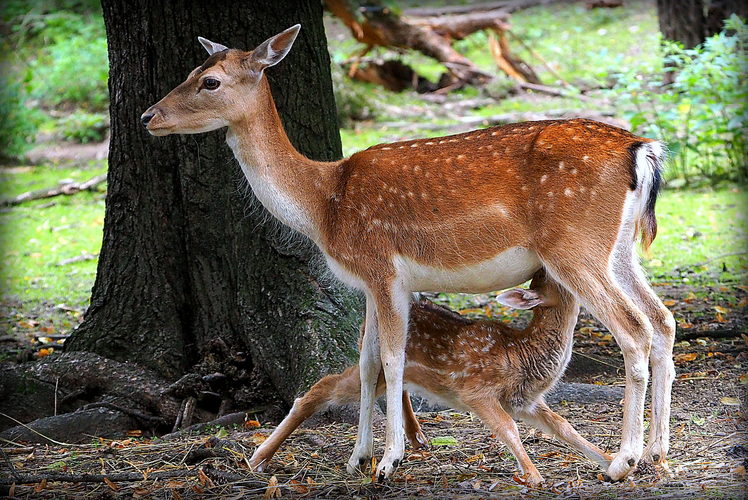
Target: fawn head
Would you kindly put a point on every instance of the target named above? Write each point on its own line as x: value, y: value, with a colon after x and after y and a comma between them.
x: 542, y: 292
x: 220, y: 91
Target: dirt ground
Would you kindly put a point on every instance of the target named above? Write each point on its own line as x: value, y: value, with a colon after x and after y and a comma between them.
x: 708, y: 457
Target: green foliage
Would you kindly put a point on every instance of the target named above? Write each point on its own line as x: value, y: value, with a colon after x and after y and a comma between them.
x: 703, y: 114
x: 18, y: 123
x: 23, y: 12
x: 72, y: 70
x: 83, y: 127
x: 58, y: 49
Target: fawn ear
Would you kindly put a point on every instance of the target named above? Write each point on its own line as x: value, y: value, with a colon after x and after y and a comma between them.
x: 519, y: 298
x: 274, y: 49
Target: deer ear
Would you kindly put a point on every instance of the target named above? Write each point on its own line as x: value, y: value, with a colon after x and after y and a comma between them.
x: 519, y: 298
x: 211, y: 47
x: 274, y: 49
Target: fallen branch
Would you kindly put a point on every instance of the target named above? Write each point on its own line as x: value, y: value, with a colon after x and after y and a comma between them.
x: 554, y: 91
x: 470, y: 122
x: 229, y: 419
x: 66, y: 188
x: 95, y: 478
x: 717, y: 257
x: 507, y: 6
x: 712, y: 334
x: 78, y: 258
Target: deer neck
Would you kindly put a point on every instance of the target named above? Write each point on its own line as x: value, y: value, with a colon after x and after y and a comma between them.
x: 554, y: 326
x: 290, y: 186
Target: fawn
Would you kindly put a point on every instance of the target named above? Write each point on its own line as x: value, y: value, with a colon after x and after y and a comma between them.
x: 472, y: 212
x: 486, y: 367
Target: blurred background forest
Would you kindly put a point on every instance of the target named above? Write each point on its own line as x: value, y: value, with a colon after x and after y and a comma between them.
x: 606, y: 63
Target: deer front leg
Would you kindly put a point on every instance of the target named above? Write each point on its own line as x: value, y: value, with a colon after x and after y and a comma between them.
x: 369, y: 368
x: 493, y: 415
x: 393, y: 307
x: 331, y: 390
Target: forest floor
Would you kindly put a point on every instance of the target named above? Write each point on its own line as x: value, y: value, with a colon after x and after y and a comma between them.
x: 708, y: 457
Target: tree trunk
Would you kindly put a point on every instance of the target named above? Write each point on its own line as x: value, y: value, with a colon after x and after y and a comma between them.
x: 190, y: 277
x: 682, y: 21
x: 692, y: 21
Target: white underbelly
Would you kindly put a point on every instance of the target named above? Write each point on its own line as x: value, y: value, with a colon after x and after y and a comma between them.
x: 507, y: 269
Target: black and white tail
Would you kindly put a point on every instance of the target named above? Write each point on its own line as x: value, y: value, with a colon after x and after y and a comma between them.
x: 649, y: 161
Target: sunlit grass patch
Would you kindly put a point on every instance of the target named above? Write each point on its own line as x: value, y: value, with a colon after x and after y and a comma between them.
x: 39, y: 236
x: 702, y: 235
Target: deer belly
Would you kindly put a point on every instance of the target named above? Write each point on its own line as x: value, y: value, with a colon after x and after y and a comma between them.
x: 509, y: 268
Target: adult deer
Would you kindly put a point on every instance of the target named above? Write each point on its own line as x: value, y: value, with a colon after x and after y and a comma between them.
x: 486, y: 367
x: 472, y: 212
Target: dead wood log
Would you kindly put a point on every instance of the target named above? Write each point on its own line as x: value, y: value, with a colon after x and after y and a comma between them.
x: 604, y: 4
x: 380, y: 26
x: 508, y: 6
x: 459, y: 26
x: 513, y: 66
x: 65, y: 188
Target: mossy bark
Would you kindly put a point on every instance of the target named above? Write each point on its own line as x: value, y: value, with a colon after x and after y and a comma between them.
x: 186, y: 259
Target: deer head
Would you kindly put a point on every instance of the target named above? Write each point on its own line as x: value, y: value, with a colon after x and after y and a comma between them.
x: 220, y: 91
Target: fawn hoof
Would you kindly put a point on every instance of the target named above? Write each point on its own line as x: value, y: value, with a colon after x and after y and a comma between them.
x: 419, y: 441
x: 258, y: 463
x: 621, y: 465
x: 534, y: 480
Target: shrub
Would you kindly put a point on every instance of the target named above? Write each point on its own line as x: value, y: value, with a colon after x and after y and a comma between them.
x: 18, y: 123
x: 73, y: 70
x: 83, y: 127
x: 703, y: 113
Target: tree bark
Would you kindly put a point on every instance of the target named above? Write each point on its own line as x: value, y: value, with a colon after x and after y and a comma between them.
x: 682, y: 21
x: 189, y: 275
x: 692, y: 21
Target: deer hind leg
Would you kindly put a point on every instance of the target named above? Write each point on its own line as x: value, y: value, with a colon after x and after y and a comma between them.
x: 393, y: 307
x: 369, y: 366
x: 332, y: 390
x: 505, y: 429
x: 550, y: 422
x: 595, y: 287
x: 632, y: 279
x: 412, y: 427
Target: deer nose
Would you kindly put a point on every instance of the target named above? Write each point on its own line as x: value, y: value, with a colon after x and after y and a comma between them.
x: 146, y: 118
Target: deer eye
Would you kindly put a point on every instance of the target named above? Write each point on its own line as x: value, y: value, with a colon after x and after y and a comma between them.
x: 211, y: 83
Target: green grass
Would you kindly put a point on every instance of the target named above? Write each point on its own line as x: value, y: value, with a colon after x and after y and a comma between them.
x: 37, y: 237
x: 696, y: 228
